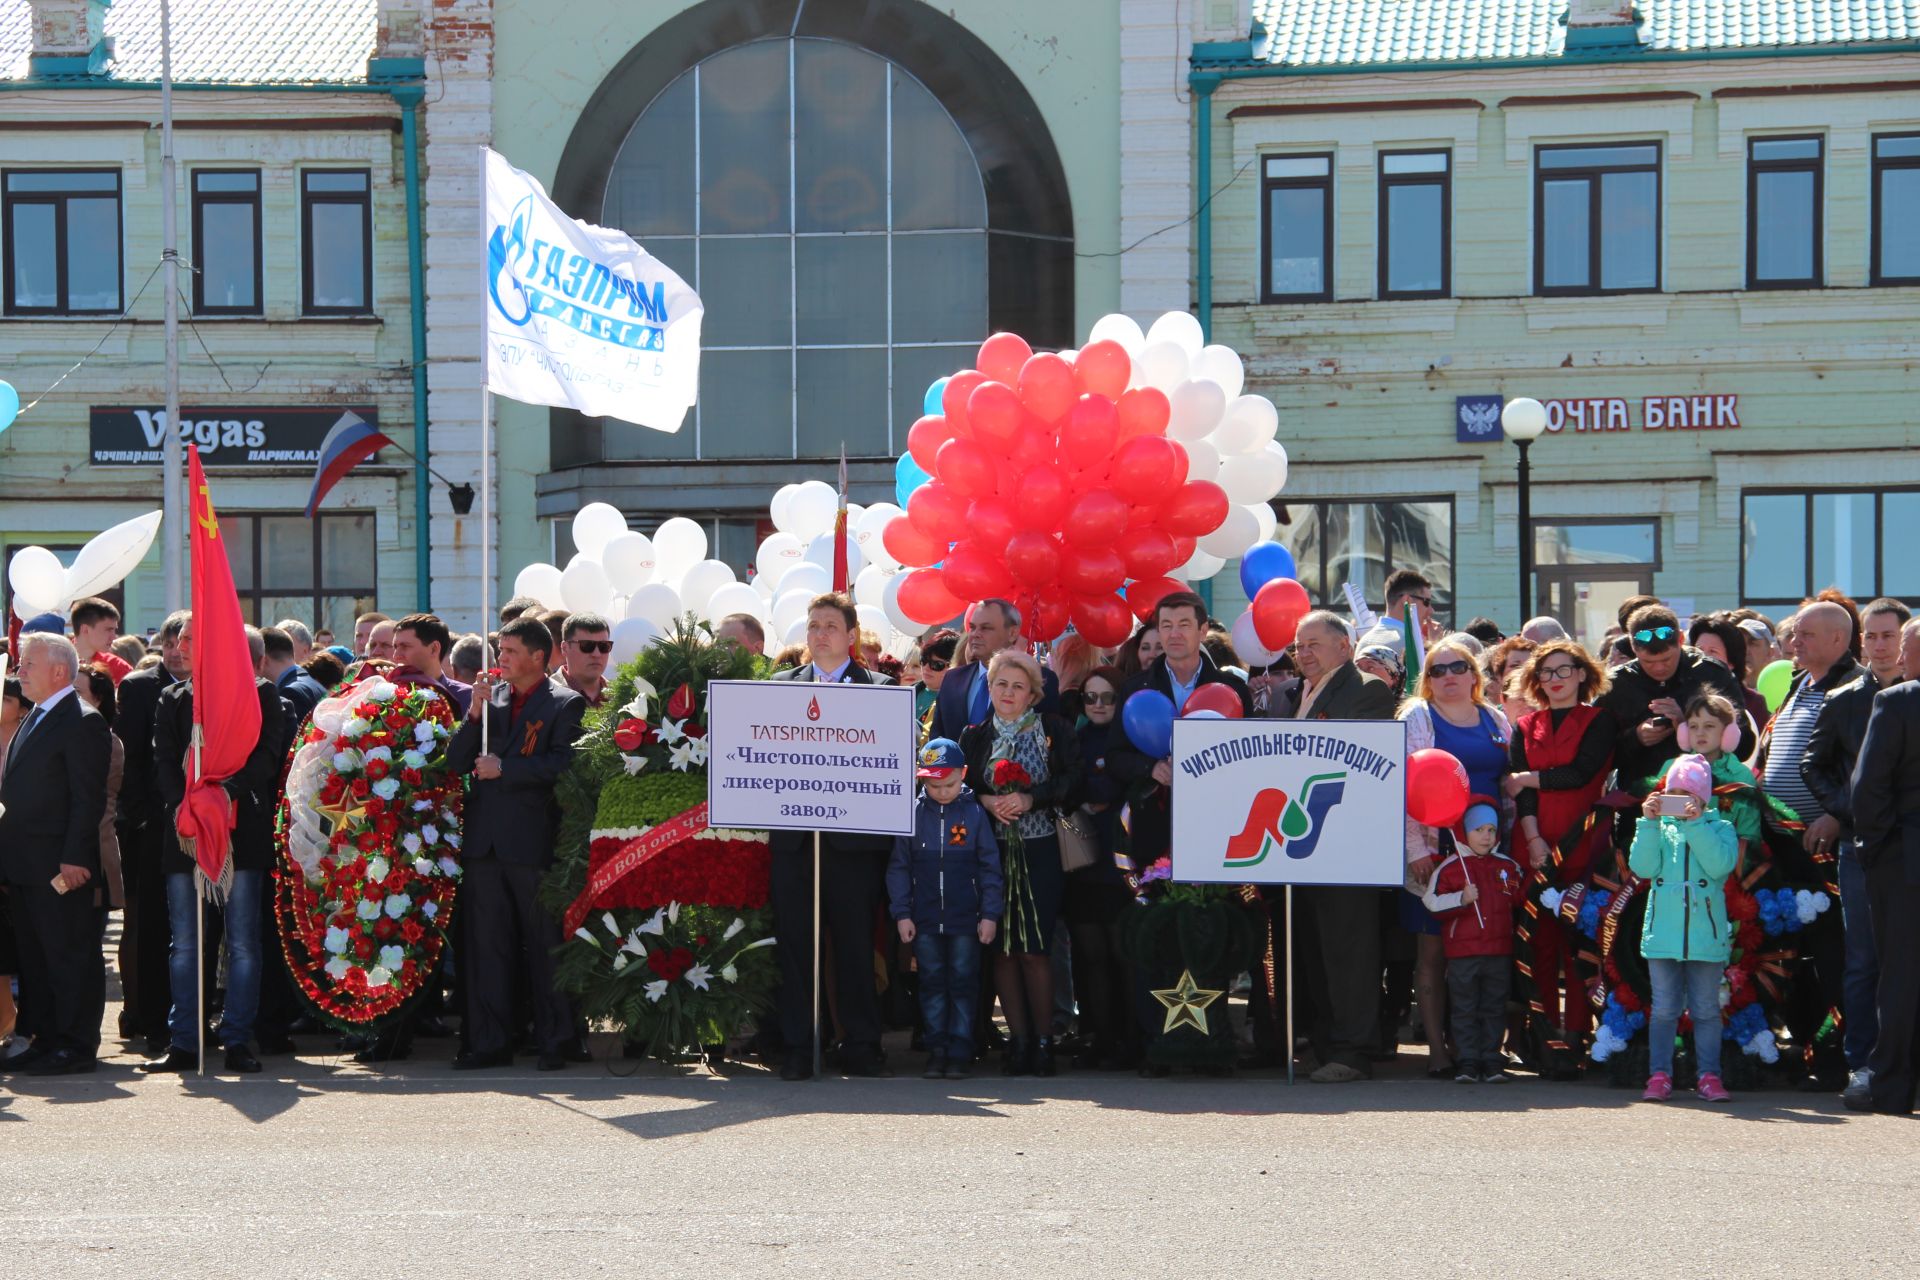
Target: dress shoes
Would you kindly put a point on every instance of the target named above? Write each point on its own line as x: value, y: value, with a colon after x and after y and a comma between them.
x: 22, y: 1054
x: 553, y: 1060
x: 63, y: 1062
x: 469, y: 1060
x: 797, y: 1067
x: 174, y: 1061
x: 275, y: 1046
x: 869, y: 1066
x: 240, y: 1060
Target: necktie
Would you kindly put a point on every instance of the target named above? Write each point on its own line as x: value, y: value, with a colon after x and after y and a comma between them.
x: 20, y: 738
x: 978, y: 710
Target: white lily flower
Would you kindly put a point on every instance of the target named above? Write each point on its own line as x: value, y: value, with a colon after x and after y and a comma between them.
x: 755, y: 946
x: 673, y: 912
x: 584, y: 936
x: 671, y: 731
x: 634, y: 764
x: 613, y: 926
x: 634, y: 945
x: 697, y: 750
x: 682, y: 755
x: 730, y: 973
x: 656, y: 923
x: 620, y: 961
x: 656, y: 990
x: 698, y: 977
x: 734, y: 928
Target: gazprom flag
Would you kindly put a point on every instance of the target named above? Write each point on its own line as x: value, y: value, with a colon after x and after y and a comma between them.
x: 580, y: 316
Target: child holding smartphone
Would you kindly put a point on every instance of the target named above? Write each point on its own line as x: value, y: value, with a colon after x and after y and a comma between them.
x: 1711, y: 731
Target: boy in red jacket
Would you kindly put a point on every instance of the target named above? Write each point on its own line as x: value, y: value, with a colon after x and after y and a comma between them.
x: 1473, y: 893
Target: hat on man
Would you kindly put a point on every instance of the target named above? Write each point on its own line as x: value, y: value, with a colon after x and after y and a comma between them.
x: 941, y: 758
x: 44, y: 623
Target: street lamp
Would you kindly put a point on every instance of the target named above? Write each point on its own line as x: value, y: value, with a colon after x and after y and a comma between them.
x: 1523, y: 420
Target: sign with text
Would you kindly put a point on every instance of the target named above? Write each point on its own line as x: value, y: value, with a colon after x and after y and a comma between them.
x: 1477, y: 418
x: 811, y: 757
x: 1289, y: 801
x: 285, y: 436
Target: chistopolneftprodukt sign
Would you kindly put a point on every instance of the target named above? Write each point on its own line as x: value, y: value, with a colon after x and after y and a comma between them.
x: 810, y: 757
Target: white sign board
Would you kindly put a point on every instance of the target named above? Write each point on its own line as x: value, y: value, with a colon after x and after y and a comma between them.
x: 1289, y: 801
x: 787, y: 755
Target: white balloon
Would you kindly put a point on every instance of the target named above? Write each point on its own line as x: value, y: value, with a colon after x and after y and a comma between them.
x: 1239, y: 531
x: 870, y: 584
x: 789, y: 607
x: 899, y: 644
x: 1181, y: 329
x: 628, y: 559
x: 873, y: 618
x: 584, y: 587
x: 701, y: 581
x: 1278, y: 452
x: 595, y: 525
x: 890, y: 602
x: 854, y: 513
x: 1197, y: 409
x: 37, y: 574
x: 735, y: 597
x: 778, y: 553
x: 1200, y: 567
x: 1251, y: 421
x: 806, y: 576
x: 542, y: 582
x: 658, y: 603
x: 820, y: 552
x: 1246, y: 642
x: 1160, y: 364
x: 630, y: 636
x: 1203, y: 460
x: 678, y: 545
x: 763, y: 584
x: 1216, y: 363
x: 110, y: 556
x: 1250, y: 477
x: 781, y: 508
x: 871, y: 528
x: 812, y: 510
x: 1115, y: 327
x: 793, y: 634
x: 1268, y: 522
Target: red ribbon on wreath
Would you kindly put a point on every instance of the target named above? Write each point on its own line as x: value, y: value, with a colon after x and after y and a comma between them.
x: 645, y: 847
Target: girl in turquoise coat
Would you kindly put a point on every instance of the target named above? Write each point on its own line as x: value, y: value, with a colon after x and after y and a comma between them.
x: 1685, y: 938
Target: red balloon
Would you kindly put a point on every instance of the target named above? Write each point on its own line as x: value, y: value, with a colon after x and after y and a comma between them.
x: 1277, y: 610
x: 993, y: 410
x: 1184, y: 545
x: 1087, y: 436
x: 990, y: 522
x: 1033, y: 558
x: 1042, y: 502
x: 1095, y: 519
x: 1032, y: 444
x: 1051, y: 614
x: 1102, y: 619
x: 1148, y: 552
x: 1092, y: 571
x: 937, y: 511
x: 953, y: 401
x: 1143, y: 469
x: 1103, y: 369
x: 905, y: 543
x: 971, y: 573
x: 1002, y: 356
x: 1145, y: 593
x: 1215, y: 697
x: 1196, y: 509
x: 1436, y: 787
x: 924, y: 597
x: 1097, y: 477
x: 924, y: 439
x: 964, y: 466
x: 1046, y: 386
x: 1143, y: 411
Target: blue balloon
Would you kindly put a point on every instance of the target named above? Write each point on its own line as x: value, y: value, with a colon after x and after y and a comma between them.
x: 9, y: 405
x: 1148, y: 720
x: 931, y: 404
x: 907, y: 476
x: 1263, y: 563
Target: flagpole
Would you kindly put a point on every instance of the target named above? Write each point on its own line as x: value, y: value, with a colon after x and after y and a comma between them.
x: 199, y: 933
x: 173, y: 483
x: 486, y: 465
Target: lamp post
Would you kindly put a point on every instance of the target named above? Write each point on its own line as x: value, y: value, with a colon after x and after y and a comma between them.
x: 1523, y: 420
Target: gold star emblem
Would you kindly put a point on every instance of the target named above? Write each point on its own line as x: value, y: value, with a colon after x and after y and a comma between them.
x: 1186, y: 1003
x: 340, y: 812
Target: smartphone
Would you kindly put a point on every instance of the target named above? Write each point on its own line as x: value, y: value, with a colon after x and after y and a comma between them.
x: 1674, y: 806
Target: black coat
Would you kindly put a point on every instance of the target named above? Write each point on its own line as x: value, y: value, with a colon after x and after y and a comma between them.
x: 515, y: 815
x: 951, y: 712
x: 1066, y: 780
x: 1634, y: 691
x: 136, y: 701
x: 1152, y: 830
x: 254, y: 790
x: 845, y: 841
x: 1886, y: 781
x: 55, y: 792
x: 1826, y: 766
x: 302, y: 693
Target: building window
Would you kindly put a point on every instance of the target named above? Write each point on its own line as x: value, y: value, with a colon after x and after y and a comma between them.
x: 336, y: 232
x: 226, y: 242
x: 62, y: 241
x: 1416, y: 224
x: 320, y: 571
x: 1363, y: 541
x: 1896, y: 209
x: 1784, y: 195
x: 1297, y: 195
x: 1796, y: 543
x: 1597, y: 219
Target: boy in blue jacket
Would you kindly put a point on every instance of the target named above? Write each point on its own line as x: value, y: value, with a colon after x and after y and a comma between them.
x: 944, y: 887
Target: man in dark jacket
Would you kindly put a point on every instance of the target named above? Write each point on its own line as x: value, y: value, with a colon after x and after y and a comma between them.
x: 244, y: 915
x: 1886, y: 822
x: 1650, y: 692
x: 146, y: 984
x: 992, y: 625
x: 511, y: 819
x: 301, y: 691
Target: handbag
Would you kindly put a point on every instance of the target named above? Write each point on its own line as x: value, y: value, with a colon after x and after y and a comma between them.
x: 1079, y: 839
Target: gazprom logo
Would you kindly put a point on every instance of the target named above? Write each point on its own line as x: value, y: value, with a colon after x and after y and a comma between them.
x: 534, y: 271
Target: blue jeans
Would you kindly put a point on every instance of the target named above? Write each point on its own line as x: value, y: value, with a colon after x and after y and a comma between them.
x: 241, y: 916
x: 949, y: 991
x: 1863, y: 967
x: 1692, y: 985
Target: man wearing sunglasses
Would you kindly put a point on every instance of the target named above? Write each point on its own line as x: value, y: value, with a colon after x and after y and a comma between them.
x: 1649, y: 691
x: 420, y: 644
x: 586, y: 647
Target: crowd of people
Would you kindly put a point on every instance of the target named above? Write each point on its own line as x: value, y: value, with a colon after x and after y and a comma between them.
x: 1039, y: 812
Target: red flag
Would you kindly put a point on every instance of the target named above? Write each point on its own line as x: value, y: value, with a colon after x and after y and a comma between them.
x: 226, y: 711
x: 840, y: 529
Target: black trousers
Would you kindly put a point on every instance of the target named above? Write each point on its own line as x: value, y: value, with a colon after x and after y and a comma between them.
x: 1340, y: 928
x: 509, y: 933
x: 146, y: 982
x: 849, y: 899
x: 1894, y: 903
x: 63, y: 972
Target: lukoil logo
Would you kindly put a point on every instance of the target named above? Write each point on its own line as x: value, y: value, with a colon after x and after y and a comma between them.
x: 1276, y: 820
x: 529, y: 275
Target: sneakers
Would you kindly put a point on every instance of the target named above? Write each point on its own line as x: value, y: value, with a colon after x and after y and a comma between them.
x: 1337, y: 1073
x: 1495, y: 1076
x: 936, y: 1067
x: 1468, y: 1075
x: 1711, y: 1090
x: 1660, y: 1087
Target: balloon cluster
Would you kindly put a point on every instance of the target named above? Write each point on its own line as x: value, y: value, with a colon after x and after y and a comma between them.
x: 41, y: 584
x: 1083, y: 485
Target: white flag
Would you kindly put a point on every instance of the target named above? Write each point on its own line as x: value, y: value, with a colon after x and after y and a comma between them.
x: 581, y: 316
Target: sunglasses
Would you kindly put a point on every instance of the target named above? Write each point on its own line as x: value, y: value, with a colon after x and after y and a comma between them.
x: 592, y: 646
x: 1562, y: 671
x: 1100, y: 699
x: 933, y: 664
x: 1456, y: 668
x: 1425, y: 600
x: 1655, y: 636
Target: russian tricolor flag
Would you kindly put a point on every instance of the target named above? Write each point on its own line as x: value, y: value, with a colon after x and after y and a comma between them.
x: 351, y: 442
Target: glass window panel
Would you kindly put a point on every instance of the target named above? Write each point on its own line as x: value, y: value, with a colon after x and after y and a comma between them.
x: 734, y: 542
x: 627, y: 441
x: 1786, y: 149
x: 1899, y: 535
x: 93, y: 254
x: 1627, y: 543
x: 678, y: 254
x: 746, y: 285
x: 1890, y: 148
x: 237, y: 533
x: 1357, y: 548
x: 1299, y: 531
x: 268, y: 609
x: 936, y: 183
x: 1420, y: 536
x: 743, y: 139
x: 35, y: 265
x: 246, y: 183
x: 226, y: 256
x: 338, y: 255
x: 286, y: 553
x: 940, y: 287
x: 1414, y: 162
x: 1783, y: 225
x: 1298, y: 237
x: 335, y: 180
x: 1297, y: 167
x: 840, y: 137
x: 746, y: 404
x: 337, y: 613
x: 1629, y: 221
x: 64, y: 180
x: 843, y: 399
x: 914, y: 370
x: 1027, y: 278
x: 842, y: 289
x: 347, y: 551
x: 1900, y: 223
x: 1843, y: 542
x: 1415, y: 247
x: 1565, y: 220
x: 650, y: 187
x: 1776, y: 546
x: 1598, y: 157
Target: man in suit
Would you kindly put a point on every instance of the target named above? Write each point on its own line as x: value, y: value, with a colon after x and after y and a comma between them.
x: 300, y: 690
x: 55, y: 794
x: 1340, y: 924
x: 993, y: 625
x: 851, y: 871
x: 146, y: 983
x: 1886, y: 825
x: 511, y: 819
x: 253, y: 792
